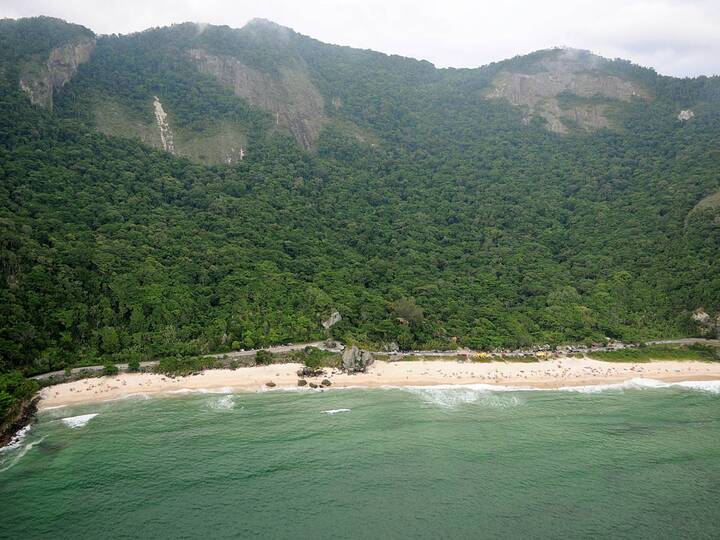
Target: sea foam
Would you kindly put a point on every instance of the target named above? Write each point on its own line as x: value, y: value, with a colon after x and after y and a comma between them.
x: 21, y: 453
x: 335, y: 411
x: 17, y: 439
x: 224, y: 403
x: 222, y: 390
x: 78, y: 421
x: 449, y: 396
x: 640, y: 383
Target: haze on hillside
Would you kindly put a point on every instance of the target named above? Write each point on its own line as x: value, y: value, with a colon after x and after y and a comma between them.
x: 676, y: 37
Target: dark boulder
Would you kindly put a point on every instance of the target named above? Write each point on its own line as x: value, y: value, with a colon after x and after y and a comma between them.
x: 325, y: 382
x: 356, y: 360
x: 302, y: 382
x: 310, y: 372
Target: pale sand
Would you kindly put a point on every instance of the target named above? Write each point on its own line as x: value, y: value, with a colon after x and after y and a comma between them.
x: 548, y: 374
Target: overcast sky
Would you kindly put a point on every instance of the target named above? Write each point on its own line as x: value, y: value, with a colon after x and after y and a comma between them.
x: 676, y: 37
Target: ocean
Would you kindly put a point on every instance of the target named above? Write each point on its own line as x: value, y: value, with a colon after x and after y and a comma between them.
x: 628, y: 461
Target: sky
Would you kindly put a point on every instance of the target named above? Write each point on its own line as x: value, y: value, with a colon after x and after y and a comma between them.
x: 676, y: 37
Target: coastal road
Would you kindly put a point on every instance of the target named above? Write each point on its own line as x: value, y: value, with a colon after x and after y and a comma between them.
x: 321, y: 345
x: 276, y: 349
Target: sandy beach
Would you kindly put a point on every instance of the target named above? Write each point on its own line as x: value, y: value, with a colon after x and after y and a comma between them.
x: 556, y: 373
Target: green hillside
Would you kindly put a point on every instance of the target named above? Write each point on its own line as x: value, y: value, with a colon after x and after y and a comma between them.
x: 545, y: 199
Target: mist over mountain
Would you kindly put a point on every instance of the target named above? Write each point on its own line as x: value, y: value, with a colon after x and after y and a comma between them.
x: 199, y: 188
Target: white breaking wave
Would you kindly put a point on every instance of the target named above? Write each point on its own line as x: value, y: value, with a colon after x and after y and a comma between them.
x: 224, y: 403
x: 449, y: 397
x: 78, y: 421
x: 639, y: 383
x: 335, y: 411
x: 223, y: 390
x: 17, y: 439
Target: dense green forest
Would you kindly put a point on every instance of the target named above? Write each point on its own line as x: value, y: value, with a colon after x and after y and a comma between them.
x: 450, y: 222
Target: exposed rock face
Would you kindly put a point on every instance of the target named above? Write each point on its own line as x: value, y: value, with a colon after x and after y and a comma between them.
x: 334, y: 318
x: 39, y: 81
x: 166, y: 135
x: 569, y: 73
x: 709, y: 325
x: 685, y: 115
x: 290, y: 95
x: 355, y: 360
x: 706, y: 211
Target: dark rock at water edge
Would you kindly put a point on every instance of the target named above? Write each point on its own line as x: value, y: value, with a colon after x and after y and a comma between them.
x: 325, y: 382
x: 18, y: 418
x: 302, y: 382
x: 270, y: 384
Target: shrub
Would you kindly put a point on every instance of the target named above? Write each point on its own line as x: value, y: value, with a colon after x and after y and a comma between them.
x: 314, y: 358
x: 185, y: 365
x: 134, y: 365
x: 263, y: 357
x: 110, y: 369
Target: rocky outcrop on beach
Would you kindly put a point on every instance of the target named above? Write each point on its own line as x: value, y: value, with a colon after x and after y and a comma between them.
x: 355, y: 360
x: 306, y: 371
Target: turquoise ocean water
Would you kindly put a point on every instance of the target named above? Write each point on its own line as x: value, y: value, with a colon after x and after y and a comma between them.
x: 629, y: 462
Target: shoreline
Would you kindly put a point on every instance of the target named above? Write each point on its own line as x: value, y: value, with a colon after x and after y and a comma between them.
x: 558, y: 373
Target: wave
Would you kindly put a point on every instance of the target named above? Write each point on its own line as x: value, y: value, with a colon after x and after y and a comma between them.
x: 224, y: 403
x: 335, y: 411
x: 21, y: 453
x: 78, y: 421
x: 17, y: 439
x: 222, y: 390
x: 639, y: 383
x: 450, y: 397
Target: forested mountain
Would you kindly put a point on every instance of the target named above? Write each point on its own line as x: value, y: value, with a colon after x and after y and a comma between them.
x: 197, y: 188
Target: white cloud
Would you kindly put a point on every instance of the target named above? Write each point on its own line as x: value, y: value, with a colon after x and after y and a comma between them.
x: 676, y: 37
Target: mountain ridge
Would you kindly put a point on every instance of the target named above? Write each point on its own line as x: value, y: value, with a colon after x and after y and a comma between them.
x: 305, y: 179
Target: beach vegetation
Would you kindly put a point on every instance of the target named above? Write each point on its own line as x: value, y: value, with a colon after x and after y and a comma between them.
x: 315, y: 358
x: 659, y: 352
x: 263, y: 357
x: 134, y: 365
x: 110, y: 369
x: 179, y: 366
